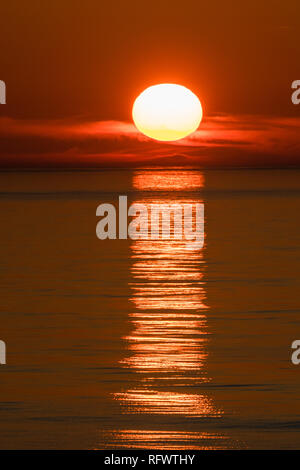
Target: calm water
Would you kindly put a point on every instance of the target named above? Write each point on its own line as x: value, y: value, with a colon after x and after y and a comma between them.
x: 141, y: 344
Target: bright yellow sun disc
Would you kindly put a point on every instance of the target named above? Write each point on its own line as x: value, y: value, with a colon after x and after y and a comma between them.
x: 167, y: 112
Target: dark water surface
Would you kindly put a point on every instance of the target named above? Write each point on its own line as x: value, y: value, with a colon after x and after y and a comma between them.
x: 141, y: 343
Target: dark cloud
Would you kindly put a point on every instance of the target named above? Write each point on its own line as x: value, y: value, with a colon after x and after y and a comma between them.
x: 222, y: 140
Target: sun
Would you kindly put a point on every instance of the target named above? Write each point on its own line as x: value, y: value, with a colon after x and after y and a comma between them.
x: 167, y: 112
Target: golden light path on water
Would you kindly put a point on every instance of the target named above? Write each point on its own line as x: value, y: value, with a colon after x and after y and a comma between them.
x: 169, y: 440
x: 168, y: 343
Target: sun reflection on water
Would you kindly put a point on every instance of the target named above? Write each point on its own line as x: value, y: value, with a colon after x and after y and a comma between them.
x: 168, y: 440
x: 168, y: 342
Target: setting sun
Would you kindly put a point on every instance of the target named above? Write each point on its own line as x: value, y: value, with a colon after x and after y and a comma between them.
x: 167, y: 112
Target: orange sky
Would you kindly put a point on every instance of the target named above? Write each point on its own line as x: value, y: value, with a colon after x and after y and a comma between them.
x: 72, y: 61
